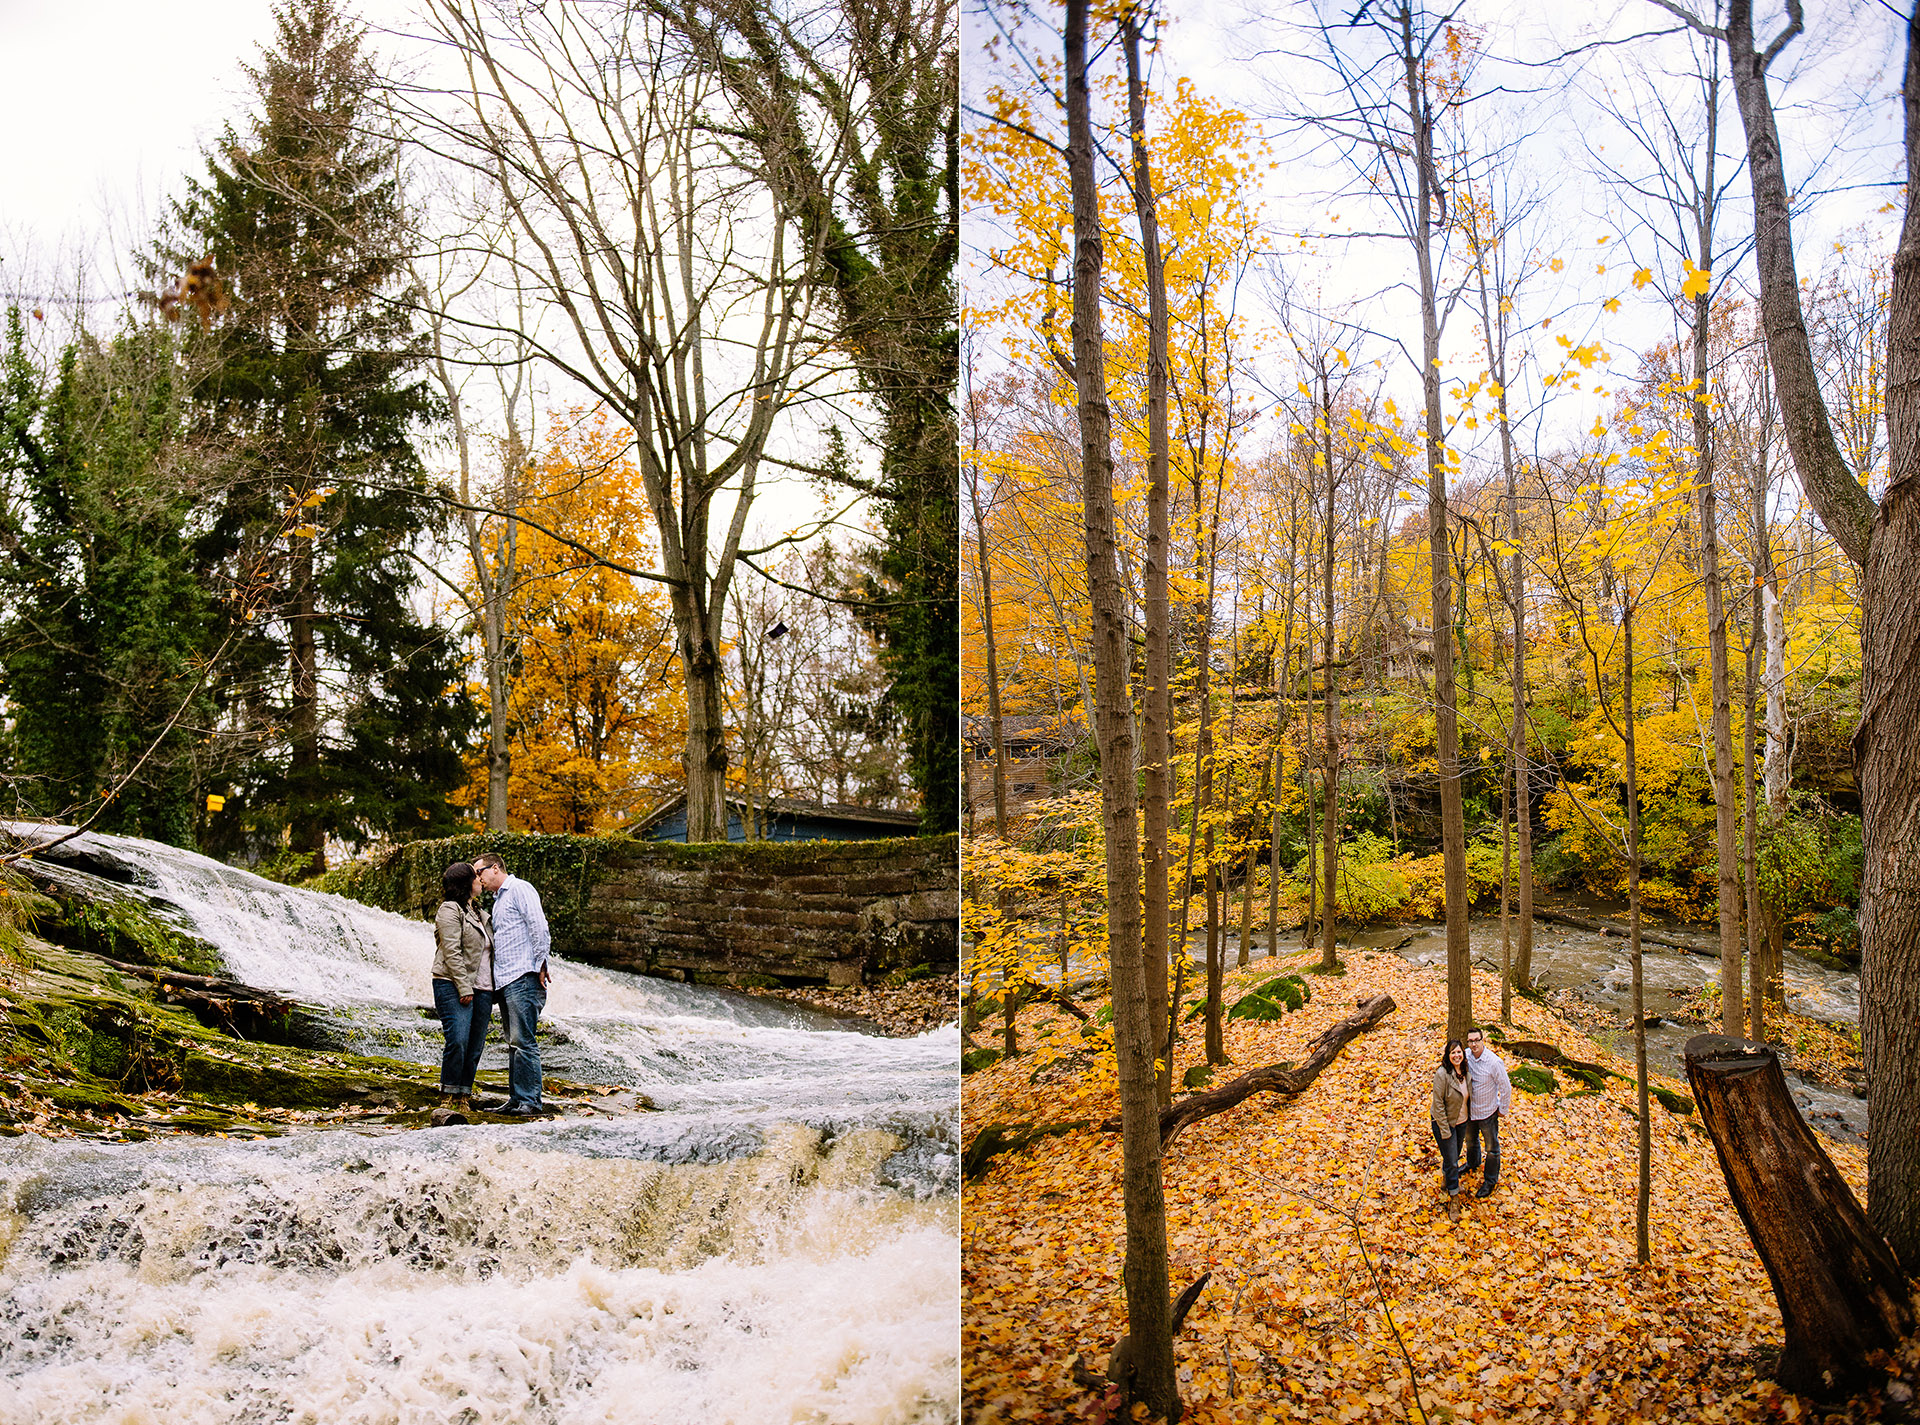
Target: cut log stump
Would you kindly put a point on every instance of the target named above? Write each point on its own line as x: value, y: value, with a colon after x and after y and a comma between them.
x: 1841, y: 1293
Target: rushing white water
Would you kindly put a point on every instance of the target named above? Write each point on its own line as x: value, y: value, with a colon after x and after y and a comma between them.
x: 779, y: 1243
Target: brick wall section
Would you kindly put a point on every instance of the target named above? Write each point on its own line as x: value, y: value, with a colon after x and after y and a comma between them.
x: 803, y: 911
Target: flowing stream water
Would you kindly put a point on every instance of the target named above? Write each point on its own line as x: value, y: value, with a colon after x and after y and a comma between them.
x: 1596, y: 968
x: 778, y: 1243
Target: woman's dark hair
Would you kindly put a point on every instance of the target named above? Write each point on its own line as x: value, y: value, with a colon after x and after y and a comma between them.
x: 1446, y: 1056
x: 456, y: 882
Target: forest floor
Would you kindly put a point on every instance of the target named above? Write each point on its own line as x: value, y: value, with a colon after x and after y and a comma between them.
x: 1340, y: 1290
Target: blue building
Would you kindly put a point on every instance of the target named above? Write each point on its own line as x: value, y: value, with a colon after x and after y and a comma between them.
x: 783, y: 819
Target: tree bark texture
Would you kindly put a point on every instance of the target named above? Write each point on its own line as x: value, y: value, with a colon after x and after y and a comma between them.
x: 1887, y: 751
x: 1149, y: 1320
x: 1277, y: 1078
x: 1885, y: 543
x: 1840, y: 1290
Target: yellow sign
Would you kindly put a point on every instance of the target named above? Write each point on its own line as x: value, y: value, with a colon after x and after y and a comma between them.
x: 214, y: 803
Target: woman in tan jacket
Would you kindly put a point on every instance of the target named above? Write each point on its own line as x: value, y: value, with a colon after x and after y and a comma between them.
x: 462, y: 982
x: 1449, y: 1115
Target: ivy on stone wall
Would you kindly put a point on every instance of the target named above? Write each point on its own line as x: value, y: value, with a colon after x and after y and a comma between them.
x: 565, y: 869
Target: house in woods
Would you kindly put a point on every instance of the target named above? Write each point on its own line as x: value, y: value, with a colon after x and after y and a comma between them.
x: 781, y: 819
x: 1033, y: 746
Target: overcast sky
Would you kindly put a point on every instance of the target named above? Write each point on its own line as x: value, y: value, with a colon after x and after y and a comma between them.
x: 1836, y: 90
x: 109, y: 105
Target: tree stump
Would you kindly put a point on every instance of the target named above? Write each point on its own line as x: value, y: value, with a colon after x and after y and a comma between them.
x: 1840, y: 1290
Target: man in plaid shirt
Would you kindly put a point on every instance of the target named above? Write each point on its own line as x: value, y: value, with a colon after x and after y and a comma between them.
x: 520, y: 945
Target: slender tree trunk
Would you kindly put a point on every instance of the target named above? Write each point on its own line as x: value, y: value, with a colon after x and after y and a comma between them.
x: 305, y: 832
x: 1506, y: 890
x: 1522, y: 794
x: 995, y: 728
x: 1157, y: 712
x: 1453, y: 826
x: 1203, y: 791
x: 1149, y: 1319
x: 1729, y: 883
x: 1756, y: 960
x: 1644, y: 1196
x: 1330, y: 702
x: 1723, y: 793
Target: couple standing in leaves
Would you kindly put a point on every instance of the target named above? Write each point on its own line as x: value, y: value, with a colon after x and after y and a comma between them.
x: 1470, y: 1092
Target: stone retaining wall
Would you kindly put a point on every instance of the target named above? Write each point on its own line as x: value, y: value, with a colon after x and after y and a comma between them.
x: 795, y: 911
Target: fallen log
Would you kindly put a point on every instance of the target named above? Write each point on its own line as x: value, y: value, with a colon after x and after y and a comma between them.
x: 1620, y: 932
x: 1841, y: 1292
x: 220, y: 1003
x: 1272, y: 1078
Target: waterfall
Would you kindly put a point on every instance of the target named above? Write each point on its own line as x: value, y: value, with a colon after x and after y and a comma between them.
x: 780, y: 1241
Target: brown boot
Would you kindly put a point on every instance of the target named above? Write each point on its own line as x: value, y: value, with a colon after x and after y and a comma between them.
x: 1453, y: 1209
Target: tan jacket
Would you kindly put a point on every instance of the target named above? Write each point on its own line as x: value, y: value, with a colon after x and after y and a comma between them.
x: 462, y: 945
x: 1449, y: 1099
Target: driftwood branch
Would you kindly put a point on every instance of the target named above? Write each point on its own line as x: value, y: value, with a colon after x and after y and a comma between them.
x: 232, y: 1005
x: 1286, y: 1079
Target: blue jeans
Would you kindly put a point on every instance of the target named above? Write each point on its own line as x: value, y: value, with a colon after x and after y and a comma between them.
x: 1449, y: 1155
x: 1490, y: 1128
x: 464, y: 1027
x: 520, y: 1006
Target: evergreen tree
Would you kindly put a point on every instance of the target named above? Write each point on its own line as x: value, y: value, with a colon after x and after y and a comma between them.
x: 356, y: 705
x: 107, y: 630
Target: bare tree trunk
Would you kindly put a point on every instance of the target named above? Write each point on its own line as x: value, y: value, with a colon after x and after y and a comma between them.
x: 1149, y: 1319
x: 1157, y: 711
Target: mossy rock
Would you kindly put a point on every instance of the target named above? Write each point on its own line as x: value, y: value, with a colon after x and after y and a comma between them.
x: 1199, y: 1076
x: 975, y: 1060
x: 126, y: 930
x: 998, y: 1138
x: 1669, y: 1100
x: 1531, y: 1078
x: 1272, y: 998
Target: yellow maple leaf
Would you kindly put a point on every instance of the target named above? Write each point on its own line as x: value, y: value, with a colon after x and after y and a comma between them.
x: 1698, y: 280
x: 1612, y: 304
x: 1642, y: 277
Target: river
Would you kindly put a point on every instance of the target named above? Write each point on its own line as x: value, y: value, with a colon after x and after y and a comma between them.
x: 1595, y: 967
x: 778, y: 1243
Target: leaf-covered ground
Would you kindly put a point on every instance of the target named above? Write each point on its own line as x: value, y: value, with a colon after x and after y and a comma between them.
x: 1321, y: 1217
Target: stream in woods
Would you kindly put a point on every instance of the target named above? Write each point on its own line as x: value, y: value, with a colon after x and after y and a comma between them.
x: 778, y: 1242
x: 1595, y: 967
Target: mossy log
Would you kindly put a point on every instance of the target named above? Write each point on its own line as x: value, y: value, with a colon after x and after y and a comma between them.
x: 1285, y: 1078
x: 214, y: 1000
x: 1841, y: 1292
